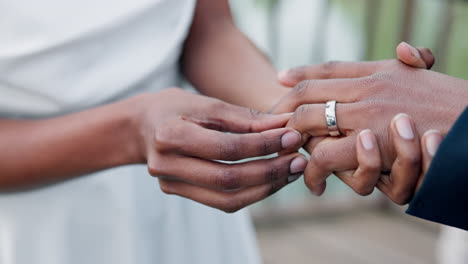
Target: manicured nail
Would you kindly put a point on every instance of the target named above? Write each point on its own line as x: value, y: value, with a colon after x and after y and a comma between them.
x: 433, y: 140
x: 366, y: 139
x: 403, y: 126
x: 297, y: 165
x: 290, y: 139
x: 293, y: 178
x: 283, y: 74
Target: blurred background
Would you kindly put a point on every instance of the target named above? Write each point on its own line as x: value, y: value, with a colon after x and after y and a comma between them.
x: 340, y: 227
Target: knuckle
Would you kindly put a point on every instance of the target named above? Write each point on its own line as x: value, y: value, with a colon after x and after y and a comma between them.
x: 265, y: 145
x: 296, y: 117
x: 231, y: 205
x: 301, y: 114
x: 166, y: 187
x: 379, y: 79
x: 230, y: 150
x: 298, y: 73
x: 255, y: 114
x: 302, y: 88
x: 303, y: 109
x: 328, y: 69
x: 230, y: 209
x: 370, y: 166
x: 320, y: 158
x: 400, y: 200
x: 166, y: 136
x: 156, y: 167
x: 272, y: 173
x: 364, y: 188
x: 410, y: 159
x: 400, y: 196
x: 228, y: 179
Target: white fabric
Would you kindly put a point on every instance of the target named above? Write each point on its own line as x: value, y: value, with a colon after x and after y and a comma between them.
x: 58, y: 56
x: 452, y: 247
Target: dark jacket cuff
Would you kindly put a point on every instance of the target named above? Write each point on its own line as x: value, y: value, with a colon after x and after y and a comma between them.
x: 443, y: 196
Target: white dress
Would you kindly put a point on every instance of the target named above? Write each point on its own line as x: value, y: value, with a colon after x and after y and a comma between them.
x: 60, y: 56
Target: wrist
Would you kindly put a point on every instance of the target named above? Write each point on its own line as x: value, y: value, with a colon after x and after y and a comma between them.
x: 127, y: 121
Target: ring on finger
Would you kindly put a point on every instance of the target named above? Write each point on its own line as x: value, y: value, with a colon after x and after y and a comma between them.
x: 330, y: 117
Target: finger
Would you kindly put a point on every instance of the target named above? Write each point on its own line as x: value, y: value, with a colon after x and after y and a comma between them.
x: 427, y: 56
x: 365, y: 178
x: 415, y: 57
x: 310, y: 119
x: 225, y: 117
x: 222, y: 176
x: 430, y: 143
x: 320, y: 91
x: 406, y: 169
x: 333, y: 154
x: 344, y: 174
x: 192, y: 140
x: 314, y: 141
x: 226, y: 201
x: 329, y: 70
x: 410, y: 55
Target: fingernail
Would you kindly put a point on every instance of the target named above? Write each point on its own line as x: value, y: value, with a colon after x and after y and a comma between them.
x: 433, y: 140
x: 293, y: 178
x: 287, y: 114
x: 298, y: 165
x: 283, y: 74
x: 403, y: 126
x: 366, y: 139
x: 413, y: 50
x: 290, y: 139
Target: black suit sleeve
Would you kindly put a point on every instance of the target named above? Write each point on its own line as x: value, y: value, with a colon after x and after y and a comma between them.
x: 443, y: 196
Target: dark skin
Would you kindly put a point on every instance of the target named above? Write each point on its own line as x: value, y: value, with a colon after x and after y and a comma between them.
x: 142, y: 129
x: 222, y: 62
x: 370, y: 94
x: 175, y: 133
x: 260, y: 92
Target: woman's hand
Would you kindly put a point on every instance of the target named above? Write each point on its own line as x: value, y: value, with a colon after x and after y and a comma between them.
x: 182, y: 141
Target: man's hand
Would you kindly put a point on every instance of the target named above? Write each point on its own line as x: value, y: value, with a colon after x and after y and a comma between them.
x: 369, y: 94
x: 411, y: 56
x: 408, y: 152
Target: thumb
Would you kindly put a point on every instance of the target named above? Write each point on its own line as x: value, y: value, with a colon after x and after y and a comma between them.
x: 430, y: 143
x: 415, y: 57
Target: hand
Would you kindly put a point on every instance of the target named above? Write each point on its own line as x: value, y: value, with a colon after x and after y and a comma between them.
x: 411, y: 165
x: 411, y: 56
x: 381, y: 90
x: 181, y: 137
x: 415, y: 57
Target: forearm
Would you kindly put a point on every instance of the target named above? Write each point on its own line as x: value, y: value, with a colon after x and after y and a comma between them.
x: 221, y: 62
x: 44, y: 151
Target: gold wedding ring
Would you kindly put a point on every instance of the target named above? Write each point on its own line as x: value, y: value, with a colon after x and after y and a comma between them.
x: 330, y: 117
